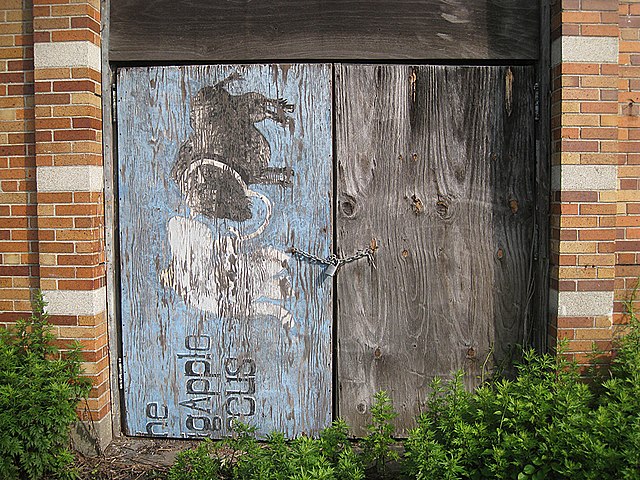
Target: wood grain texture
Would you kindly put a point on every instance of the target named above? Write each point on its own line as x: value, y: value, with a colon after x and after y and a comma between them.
x: 437, y: 164
x: 218, y: 321
x: 245, y: 30
x: 111, y: 220
x: 540, y: 313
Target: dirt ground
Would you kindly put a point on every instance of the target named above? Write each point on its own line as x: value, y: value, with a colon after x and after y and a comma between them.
x: 132, y: 459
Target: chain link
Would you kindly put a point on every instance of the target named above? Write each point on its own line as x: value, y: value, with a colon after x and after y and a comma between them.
x: 334, y: 259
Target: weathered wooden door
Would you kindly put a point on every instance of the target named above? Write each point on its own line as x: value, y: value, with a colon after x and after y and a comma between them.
x: 221, y: 169
x: 437, y: 164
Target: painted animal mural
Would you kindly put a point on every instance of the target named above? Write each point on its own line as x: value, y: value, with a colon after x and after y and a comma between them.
x: 225, y: 134
x: 225, y: 154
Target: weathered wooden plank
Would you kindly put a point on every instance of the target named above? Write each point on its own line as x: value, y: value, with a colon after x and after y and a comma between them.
x: 110, y: 219
x: 219, y: 30
x: 221, y: 169
x: 435, y: 163
x: 540, y: 312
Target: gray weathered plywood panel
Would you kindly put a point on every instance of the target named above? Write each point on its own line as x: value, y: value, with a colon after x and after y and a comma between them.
x: 220, y: 170
x: 222, y: 30
x: 436, y: 163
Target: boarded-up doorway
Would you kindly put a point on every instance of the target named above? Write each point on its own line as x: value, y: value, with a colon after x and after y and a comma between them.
x: 437, y: 164
x: 223, y: 168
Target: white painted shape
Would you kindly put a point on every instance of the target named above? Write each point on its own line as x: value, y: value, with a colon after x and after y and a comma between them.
x: 82, y: 178
x: 217, y: 276
x: 75, y: 302
x: 581, y: 304
x: 66, y: 55
x: 584, y: 177
x: 577, y: 49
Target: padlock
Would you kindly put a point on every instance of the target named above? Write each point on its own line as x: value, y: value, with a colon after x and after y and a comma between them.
x: 331, y: 270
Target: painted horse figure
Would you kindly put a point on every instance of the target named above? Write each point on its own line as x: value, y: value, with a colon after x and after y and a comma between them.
x: 226, y: 152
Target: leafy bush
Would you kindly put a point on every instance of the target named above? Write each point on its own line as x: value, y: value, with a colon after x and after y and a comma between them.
x: 201, y: 463
x: 377, y: 444
x: 242, y: 457
x: 39, y: 391
x: 546, y: 424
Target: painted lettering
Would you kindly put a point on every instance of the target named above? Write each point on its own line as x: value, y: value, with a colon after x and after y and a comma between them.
x: 152, y: 411
x: 200, y: 386
x: 198, y: 368
x: 197, y: 342
x: 194, y: 404
x: 155, y: 412
x: 241, y: 406
x: 156, y: 433
x: 214, y: 400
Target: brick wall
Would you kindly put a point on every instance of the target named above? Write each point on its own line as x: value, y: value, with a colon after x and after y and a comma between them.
x: 51, y: 184
x: 18, y: 221
x: 628, y: 198
x: 594, y: 183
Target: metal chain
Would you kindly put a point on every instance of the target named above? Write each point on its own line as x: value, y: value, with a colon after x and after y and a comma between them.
x: 334, y: 259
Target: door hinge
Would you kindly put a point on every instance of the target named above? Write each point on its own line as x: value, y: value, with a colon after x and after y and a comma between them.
x: 114, y: 104
x: 536, y: 101
x: 120, y: 374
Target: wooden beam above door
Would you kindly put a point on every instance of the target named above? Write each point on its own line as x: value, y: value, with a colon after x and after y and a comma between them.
x: 245, y: 30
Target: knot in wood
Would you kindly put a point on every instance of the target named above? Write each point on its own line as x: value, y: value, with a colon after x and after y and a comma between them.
x: 513, y: 205
x: 348, y: 208
x: 417, y: 205
x: 442, y: 208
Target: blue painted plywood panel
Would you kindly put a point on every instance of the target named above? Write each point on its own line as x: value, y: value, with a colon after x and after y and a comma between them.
x: 221, y: 170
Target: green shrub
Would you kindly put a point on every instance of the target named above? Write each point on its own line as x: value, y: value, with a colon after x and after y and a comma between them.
x: 39, y: 392
x: 201, y: 463
x: 377, y: 444
x: 546, y: 424
x: 242, y: 457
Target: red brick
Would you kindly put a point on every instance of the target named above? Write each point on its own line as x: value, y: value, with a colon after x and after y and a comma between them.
x: 75, y: 134
x: 74, y: 86
x: 595, y: 285
x: 87, y: 123
x: 41, y: 37
x: 579, y: 146
x: 56, y: 247
x: 67, y: 320
x: 599, y: 133
x: 599, y: 107
x: 90, y: 259
x: 85, y: 22
x: 598, y: 5
x: 72, y: 36
x: 57, y: 272
x: 599, y: 30
x: 52, y: 99
x: 6, y: 150
x: 576, y: 196
x: 628, y: 246
x: 14, y: 270
x: 80, y: 284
